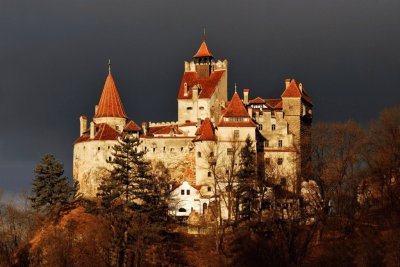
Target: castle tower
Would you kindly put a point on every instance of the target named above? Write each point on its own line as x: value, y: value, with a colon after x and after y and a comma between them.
x: 203, y: 88
x: 297, y: 108
x: 110, y: 109
x: 93, y: 148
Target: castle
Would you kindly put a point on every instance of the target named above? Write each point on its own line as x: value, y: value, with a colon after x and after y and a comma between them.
x: 206, y: 138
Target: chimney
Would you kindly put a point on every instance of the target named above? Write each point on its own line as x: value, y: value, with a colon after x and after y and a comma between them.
x: 246, y: 96
x: 83, y: 125
x: 95, y: 109
x: 287, y: 82
x: 92, y: 133
x: 301, y: 87
x: 250, y: 111
x: 144, y: 127
x: 195, y: 92
x: 185, y: 89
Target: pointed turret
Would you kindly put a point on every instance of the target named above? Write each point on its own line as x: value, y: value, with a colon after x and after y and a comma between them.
x: 205, y: 132
x: 203, y: 51
x: 236, y: 114
x: 110, y: 104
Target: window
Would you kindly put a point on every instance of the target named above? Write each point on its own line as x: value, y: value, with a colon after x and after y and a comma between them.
x: 229, y: 151
x: 260, y: 127
x: 201, y: 108
x: 189, y: 108
x: 280, y: 161
x: 117, y: 127
x: 188, y: 192
x: 182, y: 210
x: 98, y: 148
x: 211, y: 154
x: 273, y: 127
x: 182, y: 192
x: 109, y: 158
x: 236, y: 134
x: 108, y: 147
x: 145, y: 149
x: 267, y: 161
x: 280, y: 143
x: 164, y: 149
x: 181, y: 148
x: 209, y: 188
x: 199, y: 154
x: 172, y: 149
x: 154, y: 149
x: 204, y: 207
x: 266, y: 144
x: 209, y: 174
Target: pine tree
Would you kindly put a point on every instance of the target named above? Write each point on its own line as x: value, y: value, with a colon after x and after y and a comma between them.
x: 134, y: 201
x: 247, y: 179
x: 50, y: 186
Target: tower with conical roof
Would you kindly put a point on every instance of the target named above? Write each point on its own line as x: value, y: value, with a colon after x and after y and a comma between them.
x: 93, y: 148
x: 203, y: 88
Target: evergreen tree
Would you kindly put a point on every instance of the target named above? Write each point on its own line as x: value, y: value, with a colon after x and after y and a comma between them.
x: 247, y: 181
x: 134, y: 201
x: 50, y: 186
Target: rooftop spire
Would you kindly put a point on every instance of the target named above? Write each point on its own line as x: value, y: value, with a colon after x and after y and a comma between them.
x: 110, y: 104
x: 203, y: 51
x: 235, y: 88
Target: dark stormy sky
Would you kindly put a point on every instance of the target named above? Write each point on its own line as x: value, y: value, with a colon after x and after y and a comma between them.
x: 53, y: 62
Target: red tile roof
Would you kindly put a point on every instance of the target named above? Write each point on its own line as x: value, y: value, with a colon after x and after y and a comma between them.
x: 167, y: 130
x: 293, y: 90
x: 257, y: 100
x: 206, y: 132
x: 207, y: 84
x: 274, y: 103
x: 132, y: 126
x: 110, y: 104
x: 103, y: 132
x: 236, y: 108
x: 203, y: 51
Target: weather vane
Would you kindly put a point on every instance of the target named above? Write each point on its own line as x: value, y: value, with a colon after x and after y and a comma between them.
x: 109, y: 66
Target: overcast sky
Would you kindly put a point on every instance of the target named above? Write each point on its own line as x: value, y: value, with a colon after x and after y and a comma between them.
x: 53, y: 62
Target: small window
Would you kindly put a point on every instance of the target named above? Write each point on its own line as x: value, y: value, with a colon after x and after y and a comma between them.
x: 204, y: 207
x: 267, y: 161
x: 260, y: 127
x: 109, y: 158
x: 108, y: 147
x: 182, y: 192
x: 211, y: 154
x: 209, y: 188
x: 266, y: 144
x: 229, y: 151
x: 209, y: 174
x: 226, y: 172
x: 145, y: 149
x: 199, y: 154
x: 188, y: 192
x: 172, y: 149
x: 273, y: 127
x: 154, y: 149
x: 164, y: 149
x: 189, y: 108
x: 280, y: 143
x: 117, y: 127
x: 182, y: 210
x: 280, y: 161
x: 236, y: 134
x: 201, y: 108
x: 181, y: 149
x: 98, y: 148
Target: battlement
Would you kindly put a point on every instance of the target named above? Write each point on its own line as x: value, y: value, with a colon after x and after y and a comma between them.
x: 190, y: 66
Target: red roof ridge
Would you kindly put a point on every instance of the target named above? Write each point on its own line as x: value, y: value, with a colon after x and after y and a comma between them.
x: 293, y: 90
x: 132, y: 126
x: 203, y: 51
x: 110, y: 104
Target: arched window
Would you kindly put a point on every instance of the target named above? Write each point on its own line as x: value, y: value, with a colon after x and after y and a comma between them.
x: 182, y: 210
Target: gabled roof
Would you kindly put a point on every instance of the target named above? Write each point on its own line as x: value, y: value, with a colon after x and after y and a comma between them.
x: 132, y: 126
x: 236, y: 108
x: 293, y: 90
x: 207, y: 84
x: 203, y: 51
x: 274, y: 103
x: 110, y: 104
x: 168, y: 129
x: 257, y: 100
x: 206, y: 131
x: 103, y: 132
